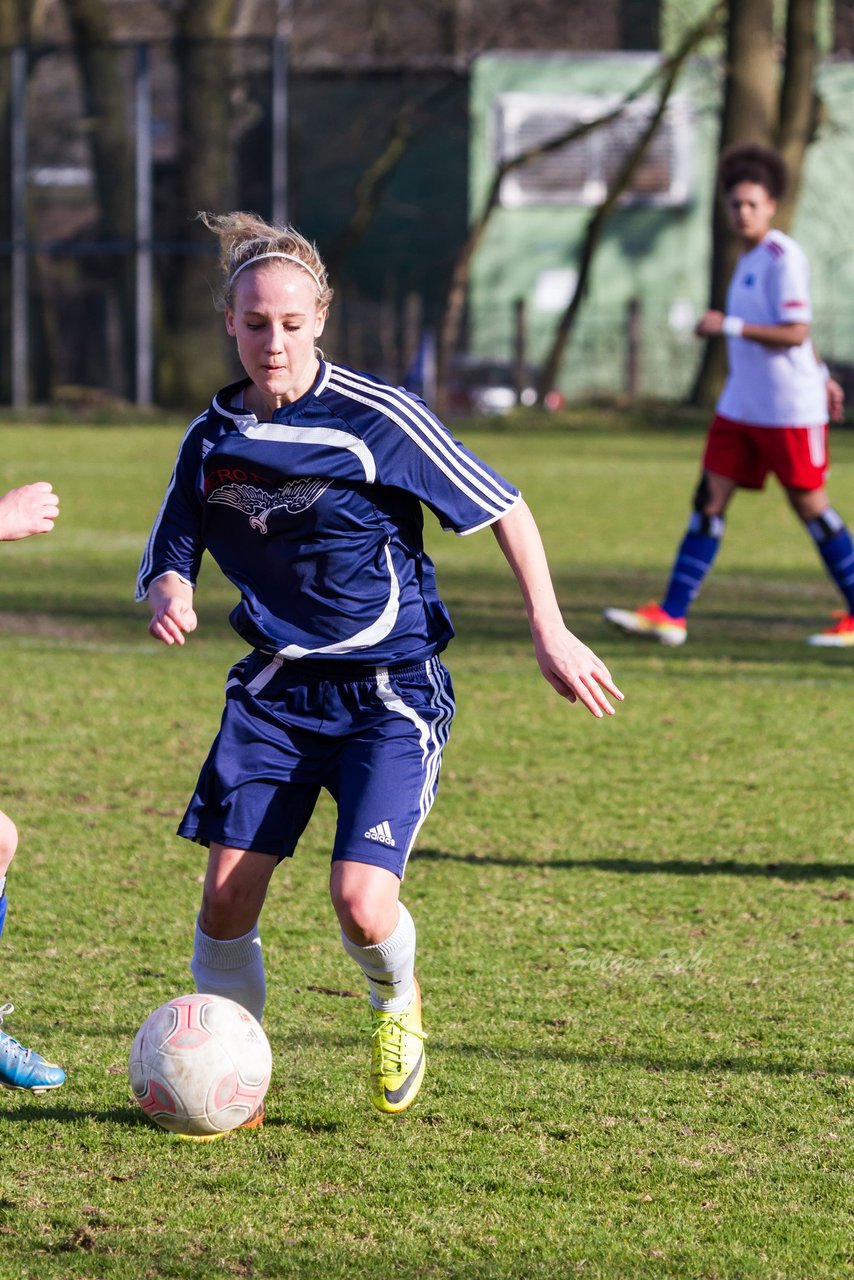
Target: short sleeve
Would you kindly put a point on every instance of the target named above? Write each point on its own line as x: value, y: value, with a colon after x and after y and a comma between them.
x: 416, y: 452
x: 790, y: 286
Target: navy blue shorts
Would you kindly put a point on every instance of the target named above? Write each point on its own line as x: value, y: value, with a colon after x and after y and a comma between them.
x: 374, y: 740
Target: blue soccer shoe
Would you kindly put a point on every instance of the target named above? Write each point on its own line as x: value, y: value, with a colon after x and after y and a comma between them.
x: 22, y: 1068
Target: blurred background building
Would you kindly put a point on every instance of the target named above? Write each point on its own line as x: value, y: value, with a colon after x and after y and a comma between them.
x: 376, y: 127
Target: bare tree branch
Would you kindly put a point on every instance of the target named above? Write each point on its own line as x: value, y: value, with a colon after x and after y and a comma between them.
x: 667, y: 70
x: 410, y: 121
x: 799, y: 102
x: 619, y: 184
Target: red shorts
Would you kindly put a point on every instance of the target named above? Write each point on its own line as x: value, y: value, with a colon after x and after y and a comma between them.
x: 745, y: 454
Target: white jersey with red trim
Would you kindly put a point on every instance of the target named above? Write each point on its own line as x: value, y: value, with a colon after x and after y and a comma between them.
x: 772, y: 386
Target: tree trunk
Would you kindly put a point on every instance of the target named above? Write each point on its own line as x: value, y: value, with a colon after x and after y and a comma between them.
x: 12, y: 32
x: 16, y: 30
x: 104, y: 86
x: 452, y: 16
x: 380, y: 27
x: 191, y: 365
x: 798, y: 102
x: 749, y: 115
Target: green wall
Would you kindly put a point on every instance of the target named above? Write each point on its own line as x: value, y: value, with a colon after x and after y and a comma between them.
x: 657, y: 255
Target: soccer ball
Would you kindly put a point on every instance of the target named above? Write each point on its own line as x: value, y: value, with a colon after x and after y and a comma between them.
x: 200, y: 1065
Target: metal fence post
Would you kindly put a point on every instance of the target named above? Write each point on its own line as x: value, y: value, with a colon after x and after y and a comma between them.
x: 20, y: 308
x: 520, y: 348
x: 279, y: 158
x: 144, y: 380
x: 633, y: 342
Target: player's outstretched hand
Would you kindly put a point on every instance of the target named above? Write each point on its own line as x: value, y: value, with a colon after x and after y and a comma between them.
x: 28, y: 510
x: 172, y: 612
x: 576, y: 672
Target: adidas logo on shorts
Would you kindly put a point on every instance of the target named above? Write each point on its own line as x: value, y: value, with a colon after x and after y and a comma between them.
x: 381, y: 833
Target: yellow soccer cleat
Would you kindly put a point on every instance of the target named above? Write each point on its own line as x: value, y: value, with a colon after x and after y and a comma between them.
x: 397, y: 1067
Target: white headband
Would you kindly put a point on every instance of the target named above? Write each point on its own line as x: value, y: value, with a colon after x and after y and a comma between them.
x: 262, y: 257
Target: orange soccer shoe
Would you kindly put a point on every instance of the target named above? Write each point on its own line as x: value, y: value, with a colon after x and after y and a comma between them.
x: 839, y: 636
x: 651, y: 622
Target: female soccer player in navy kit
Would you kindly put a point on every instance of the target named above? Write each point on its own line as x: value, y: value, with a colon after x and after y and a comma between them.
x: 305, y: 481
x: 772, y: 414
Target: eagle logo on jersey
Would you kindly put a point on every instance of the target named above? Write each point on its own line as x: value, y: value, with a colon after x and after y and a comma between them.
x: 259, y: 504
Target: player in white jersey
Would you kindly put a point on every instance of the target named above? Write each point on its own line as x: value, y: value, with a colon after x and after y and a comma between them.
x: 305, y: 481
x: 772, y: 414
x: 24, y: 512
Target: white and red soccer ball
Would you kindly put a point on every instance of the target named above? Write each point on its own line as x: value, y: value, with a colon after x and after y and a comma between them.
x: 200, y: 1065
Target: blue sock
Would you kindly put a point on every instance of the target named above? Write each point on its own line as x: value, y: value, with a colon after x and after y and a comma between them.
x: 693, y: 561
x: 833, y: 539
x: 2, y: 903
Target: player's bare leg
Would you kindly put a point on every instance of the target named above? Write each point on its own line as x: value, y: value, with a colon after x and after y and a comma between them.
x: 227, y: 958
x: 377, y: 931
x: 366, y: 901
x: 236, y: 883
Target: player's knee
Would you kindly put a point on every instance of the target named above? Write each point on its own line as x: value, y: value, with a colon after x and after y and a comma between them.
x: 822, y: 524
x: 8, y: 841
x: 812, y: 504
x: 707, y: 515
x: 364, y: 918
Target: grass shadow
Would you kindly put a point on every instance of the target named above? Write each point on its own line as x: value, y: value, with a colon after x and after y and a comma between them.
x: 653, y: 1062
x: 128, y: 1117
x: 648, y: 866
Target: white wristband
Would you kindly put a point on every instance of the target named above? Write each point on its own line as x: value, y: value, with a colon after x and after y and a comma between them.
x: 732, y: 326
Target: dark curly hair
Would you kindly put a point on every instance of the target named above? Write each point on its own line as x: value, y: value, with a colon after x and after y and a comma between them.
x: 754, y: 163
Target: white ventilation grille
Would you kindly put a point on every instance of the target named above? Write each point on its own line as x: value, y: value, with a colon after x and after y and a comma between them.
x: 579, y: 172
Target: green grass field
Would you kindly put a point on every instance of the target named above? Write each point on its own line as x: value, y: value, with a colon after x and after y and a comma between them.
x: 635, y: 936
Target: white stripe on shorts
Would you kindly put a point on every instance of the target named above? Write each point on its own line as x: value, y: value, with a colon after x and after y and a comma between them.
x: 264, y: 676
x: 433, y: 736
x: 818, y: 452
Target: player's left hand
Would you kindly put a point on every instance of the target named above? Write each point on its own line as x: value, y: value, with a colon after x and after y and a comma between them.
x: 172, y: 618
x: 835, y: 400
x: 576, y: 672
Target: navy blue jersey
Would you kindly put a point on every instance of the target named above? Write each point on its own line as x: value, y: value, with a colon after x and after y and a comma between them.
x: 316, y: 517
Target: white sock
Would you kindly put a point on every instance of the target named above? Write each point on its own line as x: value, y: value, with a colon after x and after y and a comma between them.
x: 389, y: 966
x: 2, y: 885
x: 232, y: 968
